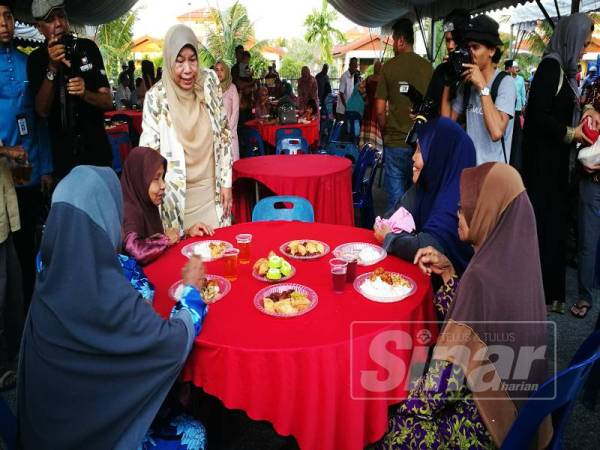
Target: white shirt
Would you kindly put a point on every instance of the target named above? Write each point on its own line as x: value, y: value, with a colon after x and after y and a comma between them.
x: 346, y: 88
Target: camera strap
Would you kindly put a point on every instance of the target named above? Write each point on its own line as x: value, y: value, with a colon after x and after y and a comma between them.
x: 494, y: 94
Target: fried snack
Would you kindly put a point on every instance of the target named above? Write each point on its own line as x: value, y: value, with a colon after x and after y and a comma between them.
x: 286, y: 303
x: 393, y: 279
x: 217, y: 249
x: 304, y: 248
x: 210, y: 289
x: 261, y: 266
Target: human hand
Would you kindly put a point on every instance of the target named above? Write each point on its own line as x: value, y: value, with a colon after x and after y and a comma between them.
x: 16, y: 153
x: 199, y: 229
x: 431, y: 261
x: 193, y: 272
x: 226, y: 201
x: 591, y: 169
x: 76, y: 86
x: 474, y: 75
x: 381, y: 231
x: 173, y: 235
x: 47, y: 182
x: 56, y: 54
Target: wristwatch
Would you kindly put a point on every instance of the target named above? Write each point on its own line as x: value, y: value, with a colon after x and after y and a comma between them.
x: 484, y: 91
x: 50, y: 75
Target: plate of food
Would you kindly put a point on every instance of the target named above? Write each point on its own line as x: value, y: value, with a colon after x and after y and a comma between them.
x: 383, y: 286
x: 213, y: 289
x: 304, y: 249
x: 273, y: 269
x: 286, y: 300
x: 367, y: 254
x: 210, y: 250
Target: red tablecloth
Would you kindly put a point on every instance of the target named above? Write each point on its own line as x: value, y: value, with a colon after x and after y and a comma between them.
x: 325, y: 181
x: 310, y: 131
x: 135, y: 115
x: 301, y: 374
x: 117, y: 129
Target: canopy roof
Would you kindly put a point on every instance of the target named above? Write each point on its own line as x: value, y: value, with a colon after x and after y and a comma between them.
x: 531, y: 12
x: 83, y: 12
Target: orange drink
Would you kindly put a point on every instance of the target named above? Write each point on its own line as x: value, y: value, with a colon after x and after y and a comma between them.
x: 243, y: 243
x: 230, y: 262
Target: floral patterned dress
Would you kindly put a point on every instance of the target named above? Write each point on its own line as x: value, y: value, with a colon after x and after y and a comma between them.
x: 439, y: 412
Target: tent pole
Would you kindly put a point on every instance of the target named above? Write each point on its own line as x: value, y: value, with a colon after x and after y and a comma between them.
x: 432, y: 45
x: 545, y: 13
x: 557, y: 9
x: 575, y: 6
x: 423, y: 34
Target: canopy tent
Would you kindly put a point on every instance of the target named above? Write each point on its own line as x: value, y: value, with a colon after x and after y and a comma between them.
x: 28, y: 34
x: 83, y: 12
x: 531, y: 12
x: 377, y: 13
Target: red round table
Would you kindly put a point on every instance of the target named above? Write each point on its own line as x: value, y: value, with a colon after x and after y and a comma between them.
x: 325, y: 181
x: 310, y: 131
x: 135, y: 115
x: 301, y: 374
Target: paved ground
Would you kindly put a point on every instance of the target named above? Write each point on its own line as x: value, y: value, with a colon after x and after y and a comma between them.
x: 233, y: 430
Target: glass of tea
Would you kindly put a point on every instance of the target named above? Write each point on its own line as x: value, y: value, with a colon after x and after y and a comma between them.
x: 230, y: 263
x: 339, y: 268
x: 243, y: 244
x: 352, y: 260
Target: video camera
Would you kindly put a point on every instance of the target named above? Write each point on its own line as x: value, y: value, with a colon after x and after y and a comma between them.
x: 461, y: 54
x: 72, y: 53
x: 422, y: 107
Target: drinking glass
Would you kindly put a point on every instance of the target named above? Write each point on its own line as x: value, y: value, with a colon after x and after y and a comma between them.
x: 338, y: 274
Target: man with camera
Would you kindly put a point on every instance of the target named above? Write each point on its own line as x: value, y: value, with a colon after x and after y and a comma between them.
x: 405, y: 68
x: 487, y: 96
x: 71, y: 89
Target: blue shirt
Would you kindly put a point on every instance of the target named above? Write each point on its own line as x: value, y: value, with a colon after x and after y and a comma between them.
x: 16, y: 99
x: 521, y: 96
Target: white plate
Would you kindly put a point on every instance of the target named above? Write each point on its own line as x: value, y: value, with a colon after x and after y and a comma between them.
x: 201, y: 248
x: 224, y: 288
x: 308, y: 257
x: 356, y: 247
x: 358, y: 282
x: 310, y: 294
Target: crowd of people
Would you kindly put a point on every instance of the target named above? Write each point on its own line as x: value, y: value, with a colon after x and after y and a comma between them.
x: 486, y: 182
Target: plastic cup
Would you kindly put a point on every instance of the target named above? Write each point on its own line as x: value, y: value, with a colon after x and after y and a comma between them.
x: 243, y: 244
x: 230, y: 262
x: 338, y: 274
x: 352, y: 261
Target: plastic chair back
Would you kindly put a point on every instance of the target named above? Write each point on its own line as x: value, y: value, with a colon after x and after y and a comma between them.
x: 8, y: 426
x: 363, y: 179
x: 343, y: 149
x: 292, y: 146
x: 336, y: 131
x: 285, y: 133
x: 121, y: 145
x: 283, y: 207
x: 556, y: 396
x: 251, y: 142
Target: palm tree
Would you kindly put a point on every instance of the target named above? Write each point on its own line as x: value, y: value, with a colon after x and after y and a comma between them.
x: 115, y: 42
x: 232, y: 28
x: 319, y: 28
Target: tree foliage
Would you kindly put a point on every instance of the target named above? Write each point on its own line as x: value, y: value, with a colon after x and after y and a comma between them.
x: 232, y: 28
x: 320, y: 29
x: 115, y: 40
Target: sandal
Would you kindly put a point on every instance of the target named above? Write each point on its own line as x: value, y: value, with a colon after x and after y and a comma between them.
x: 558, y: 307
x: 580, y: 309
x: 8, y: 380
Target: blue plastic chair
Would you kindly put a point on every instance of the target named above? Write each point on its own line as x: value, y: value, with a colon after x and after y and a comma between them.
x: 363, y: 178
x: 251, y: 142
x: 292, y: 146
x: 118, y: 140
x: 556, y: 396
x: 8, y: 426
x: 336, y: 131
x: 134, y: 136
x: 286, y: 133
x: 343, y: 149
x: 276, y: 208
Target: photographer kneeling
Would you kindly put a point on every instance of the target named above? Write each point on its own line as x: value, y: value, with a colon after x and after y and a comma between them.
x: 487, y: 95
x: 69, y: 82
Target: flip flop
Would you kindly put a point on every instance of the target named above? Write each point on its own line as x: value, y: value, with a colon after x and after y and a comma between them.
x: 580, y: 309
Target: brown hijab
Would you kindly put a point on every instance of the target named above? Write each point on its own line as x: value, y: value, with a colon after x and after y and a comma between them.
x: 185, y: 107
x: 141, y: 216
x: 501, y: 286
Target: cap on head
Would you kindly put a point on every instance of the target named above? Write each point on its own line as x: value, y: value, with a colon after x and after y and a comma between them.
x: 41, y: 9
x: 484, y: 29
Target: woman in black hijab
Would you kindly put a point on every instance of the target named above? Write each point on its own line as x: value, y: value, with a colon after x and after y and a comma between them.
x: 96, y: 362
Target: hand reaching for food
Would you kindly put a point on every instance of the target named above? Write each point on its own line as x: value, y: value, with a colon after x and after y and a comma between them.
x: 431, y: 261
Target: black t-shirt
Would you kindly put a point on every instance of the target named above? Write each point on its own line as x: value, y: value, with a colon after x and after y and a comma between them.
x: 77, y: 133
